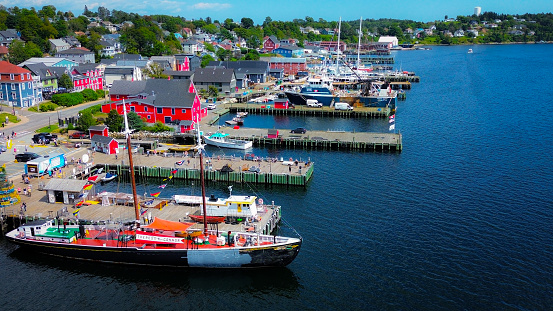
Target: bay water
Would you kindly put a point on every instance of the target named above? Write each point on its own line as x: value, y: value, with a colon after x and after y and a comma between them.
x: 461, y: 219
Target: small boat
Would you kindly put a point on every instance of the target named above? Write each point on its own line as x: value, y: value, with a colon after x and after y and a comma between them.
x: 470, y: 51
x: 109, y: 177
x: 221, y: 140
x: 210, y: 219
x: 182, y: 148
x: 242, y: 114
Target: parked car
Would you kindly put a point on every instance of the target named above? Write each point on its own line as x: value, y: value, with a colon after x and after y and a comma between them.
x: 26, y: 156
x: 45, y: 137
x: 77, y: 135
x: 3, y: 149
x: 211, y: 106
x: 299, y: 130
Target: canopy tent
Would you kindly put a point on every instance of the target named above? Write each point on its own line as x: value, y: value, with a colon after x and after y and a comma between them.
x: 168, y: 225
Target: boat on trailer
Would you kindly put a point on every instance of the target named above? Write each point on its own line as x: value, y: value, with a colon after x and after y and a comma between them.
x: 160, y: 243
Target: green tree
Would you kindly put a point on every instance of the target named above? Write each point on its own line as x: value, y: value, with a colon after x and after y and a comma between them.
x: 17, y: 52
x: 135, y: 122
x: 209, y: 47
x: 158, y: 127
x: 65, y: 82
x: 85, y: 121
x: 205, y: 60
x: 213, y: 91
x: 154, y: 70
x: 114, y: 121
x: 247, y: 22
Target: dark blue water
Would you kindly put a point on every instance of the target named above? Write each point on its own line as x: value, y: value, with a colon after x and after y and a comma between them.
x: 462, y: 219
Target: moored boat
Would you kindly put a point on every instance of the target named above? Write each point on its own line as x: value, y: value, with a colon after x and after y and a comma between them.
x: 222, y: 140
x: 108, y: 177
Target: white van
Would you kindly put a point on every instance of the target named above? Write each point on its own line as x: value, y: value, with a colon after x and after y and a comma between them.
x: 342, y: 106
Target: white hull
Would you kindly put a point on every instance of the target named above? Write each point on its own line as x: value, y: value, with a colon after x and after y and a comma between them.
x: 229, y: 143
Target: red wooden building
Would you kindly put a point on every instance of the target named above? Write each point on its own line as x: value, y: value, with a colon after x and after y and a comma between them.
x: 158, y: 100
x: 282, y: 104
x: 107, y: 145
x: 270, y: 43
x: 87, y: 77
x: 101, y: 130
x: 290, y: 65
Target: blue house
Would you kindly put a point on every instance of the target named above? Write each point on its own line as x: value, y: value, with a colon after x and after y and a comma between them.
x: 289, y: 51
x: 16, y: 86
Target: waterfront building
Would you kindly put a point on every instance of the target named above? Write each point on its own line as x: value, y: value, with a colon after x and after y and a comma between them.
x: 78, y: 55
x: 16, y: 86
x: 222, y: 78
x: 288, y: 64
x: 157, y: 100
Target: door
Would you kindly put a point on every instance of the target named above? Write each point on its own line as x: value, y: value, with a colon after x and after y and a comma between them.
x: 59, y: 196
x: 167, y: 120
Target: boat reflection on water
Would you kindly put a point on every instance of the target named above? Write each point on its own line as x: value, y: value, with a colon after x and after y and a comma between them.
x: 158, y: 280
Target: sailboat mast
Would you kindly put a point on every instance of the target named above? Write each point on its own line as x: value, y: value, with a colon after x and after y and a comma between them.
x: 131, y: 164
x: 338, y: 47
x: 359, y: 44
x: 202, y: 181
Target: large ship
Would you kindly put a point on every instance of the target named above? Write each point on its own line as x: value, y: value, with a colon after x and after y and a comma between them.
x: 161, y: 243
x: 372, y: 94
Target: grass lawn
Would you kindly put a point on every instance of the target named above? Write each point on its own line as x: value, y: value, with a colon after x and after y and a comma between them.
x: 11, y: 117
x: 54, y: 128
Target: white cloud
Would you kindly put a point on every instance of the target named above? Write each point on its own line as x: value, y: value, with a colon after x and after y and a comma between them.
x: 210, y: 6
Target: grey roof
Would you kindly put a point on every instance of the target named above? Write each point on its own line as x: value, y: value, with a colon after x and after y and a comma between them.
x: 137, y: 63
x: 58, y: 71
x: 178, y: 73
x: 40, y: 70
x: 108, y: 61
x: 101, y: 139
x: 243, y: 67
x: 98, y: 128
x: 185, y: 122
x: 125, y: 56
x: 213, y: 75
x: 157, y: 92
x: 83, y: 68
x: 69, y: 185
x: 290, y: 47
x: 118, y: 70
x: 74, y: 52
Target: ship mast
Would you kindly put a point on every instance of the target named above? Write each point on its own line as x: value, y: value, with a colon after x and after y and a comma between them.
x: 202, y: 179
x: 127, y: 133
x: 338, y: 47
x: 359, y: 44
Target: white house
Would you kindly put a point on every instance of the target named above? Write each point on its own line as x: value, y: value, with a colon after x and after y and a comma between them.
x: 391, y: 39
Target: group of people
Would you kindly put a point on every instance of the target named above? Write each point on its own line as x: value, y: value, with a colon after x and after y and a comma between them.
x: 26, y: 191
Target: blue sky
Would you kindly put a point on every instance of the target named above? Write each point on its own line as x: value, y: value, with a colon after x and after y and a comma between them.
x: 421, y: 10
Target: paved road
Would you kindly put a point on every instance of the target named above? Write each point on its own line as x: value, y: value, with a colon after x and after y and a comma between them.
x: 31, y: 121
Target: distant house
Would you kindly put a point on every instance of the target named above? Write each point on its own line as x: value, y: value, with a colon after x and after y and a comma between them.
x: 87, y: 76
x: 270, y: 43
x: 122, y: 73
x: 187, y: 62
x: 289, y: 51
x: 177, y: 74
x: 166, y: 62
x: 157, y: 100
x: 191, y: 47
x: 47, y: 80
x: 58, y: 45
x: 8, y: 36
x: 107, y: 145
x: 78, y: 55
x: 108, y: 48
x: 246, y: 71
x: 72, y: 41
x: 272, y: 133
x: 16, y: 86
x: 223, y: 79
x: 391, y: 39
x: 101, y: 130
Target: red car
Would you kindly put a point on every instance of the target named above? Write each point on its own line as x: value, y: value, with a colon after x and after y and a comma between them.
x: 77, y: 135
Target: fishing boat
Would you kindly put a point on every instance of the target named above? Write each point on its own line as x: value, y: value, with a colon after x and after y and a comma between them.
x: 210, y: 219
x: 182, y: 148
x: 222, y: 140
x: 470, y: 51
x: 108, y: 177
x: 160, y: 243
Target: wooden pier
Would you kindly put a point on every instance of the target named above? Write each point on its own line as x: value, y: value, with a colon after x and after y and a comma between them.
x: 358, y: 112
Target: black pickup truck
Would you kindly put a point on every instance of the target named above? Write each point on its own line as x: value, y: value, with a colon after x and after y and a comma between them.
x: 45, y: 138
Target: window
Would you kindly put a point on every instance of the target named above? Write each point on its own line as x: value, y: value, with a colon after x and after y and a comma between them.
x: 11, y: 76
x: 146, y: 109
x: 28, y: 76
x: 132, y: 108
x: 1, y: 95
x: 23, y: 86
x: 159, y: 110
x: 149, y: 117
x: 14, y: 95
x: 172, y: 111
x: 22, y: 76
x: 183, y: 111
x: 30, y: 85
x: 13, y: 86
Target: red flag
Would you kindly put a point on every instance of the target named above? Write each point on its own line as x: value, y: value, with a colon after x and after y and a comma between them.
x: 155, y: 194
x: 93, y: 178
x: 87, y: 186
x: 174, y: 171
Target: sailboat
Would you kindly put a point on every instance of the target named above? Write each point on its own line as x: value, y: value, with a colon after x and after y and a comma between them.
x: 161, y: 243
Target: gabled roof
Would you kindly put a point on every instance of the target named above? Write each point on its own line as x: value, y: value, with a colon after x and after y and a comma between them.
x: 102, y: 139
x: 158, y: 92
x: 214, y: 75
x: 258, y: 64
x: 48, y: 61
x: 135, y: 63
x: 83, y: 68
x: 74, y: 51
x: 178, y: 73
x: 59, y: 42
x: 119, y: 70
x: 98, y: 127
x: 7, y: 67
x: 69, y: 185
x: 40, y: 70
